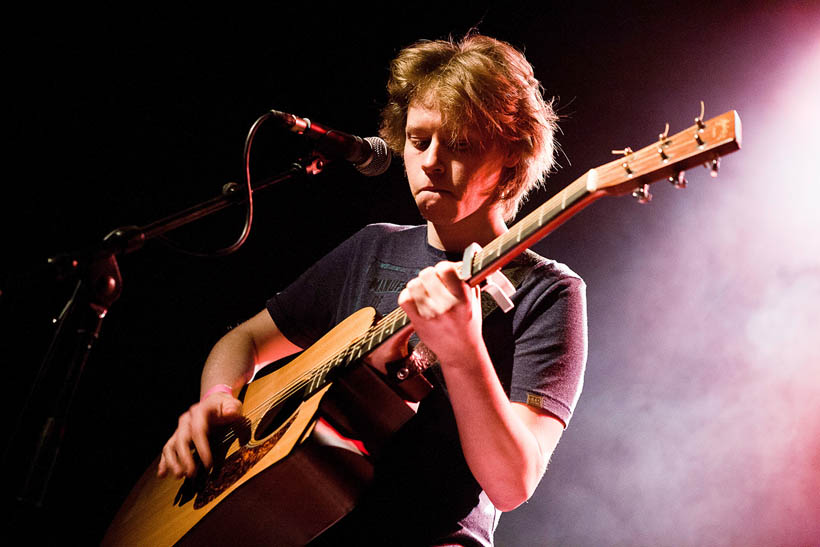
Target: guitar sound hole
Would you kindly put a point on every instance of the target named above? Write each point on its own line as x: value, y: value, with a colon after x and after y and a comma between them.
x: 277, y: 416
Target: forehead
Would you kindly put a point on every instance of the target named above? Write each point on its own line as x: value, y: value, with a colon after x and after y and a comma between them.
x: 423, y: 117
x: 428, y: 118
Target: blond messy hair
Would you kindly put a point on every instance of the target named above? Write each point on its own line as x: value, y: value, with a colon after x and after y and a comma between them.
x: 483, y: 84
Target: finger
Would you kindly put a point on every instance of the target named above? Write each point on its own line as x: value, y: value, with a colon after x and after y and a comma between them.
x: 421, y: 300
x: 216, y: 410
x: 407, y: 303
x: 440, y: 298
x: 199, y: 435
x: 449, y: 275
x: 230, y: 409
x: 443, y: 283
x: 162, y: 468
x: 181, y: 446
x: 170, y: 459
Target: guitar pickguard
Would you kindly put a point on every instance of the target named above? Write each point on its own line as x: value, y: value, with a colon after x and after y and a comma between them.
x: 230, y: 471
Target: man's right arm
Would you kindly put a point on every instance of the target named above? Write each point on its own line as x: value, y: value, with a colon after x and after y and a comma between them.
x: 231, y: 363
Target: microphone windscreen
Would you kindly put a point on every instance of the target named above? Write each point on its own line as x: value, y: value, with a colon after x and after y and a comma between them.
x: 379, y: 161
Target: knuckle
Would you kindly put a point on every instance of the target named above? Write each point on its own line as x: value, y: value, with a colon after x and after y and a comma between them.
x: 444, y: 266
x: 183, y: 419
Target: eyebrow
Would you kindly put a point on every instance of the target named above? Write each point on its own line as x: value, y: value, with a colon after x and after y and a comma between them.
x: 408, y: 128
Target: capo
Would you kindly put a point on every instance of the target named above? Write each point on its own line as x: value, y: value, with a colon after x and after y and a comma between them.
x: 496, y: 284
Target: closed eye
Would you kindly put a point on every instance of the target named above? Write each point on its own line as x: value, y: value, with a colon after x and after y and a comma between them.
x: 461, y: 145
x: 418, y: 143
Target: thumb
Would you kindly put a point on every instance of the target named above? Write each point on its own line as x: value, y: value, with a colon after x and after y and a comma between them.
x: 229, y: 408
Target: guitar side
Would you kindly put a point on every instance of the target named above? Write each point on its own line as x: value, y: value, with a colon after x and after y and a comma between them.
x: 161, y: 511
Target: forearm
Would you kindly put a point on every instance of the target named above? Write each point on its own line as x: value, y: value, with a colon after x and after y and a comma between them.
x: 502, y: 452
x: 506, y: 446
x: 230, y: 362
x: 257, y: 341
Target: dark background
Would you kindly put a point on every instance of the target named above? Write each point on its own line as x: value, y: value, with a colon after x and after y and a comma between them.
x: 699, y: 421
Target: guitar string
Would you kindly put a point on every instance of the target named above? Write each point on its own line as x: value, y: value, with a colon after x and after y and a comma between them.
x: 639, y: 161
x: 381, y: 328
x: 376, y: 332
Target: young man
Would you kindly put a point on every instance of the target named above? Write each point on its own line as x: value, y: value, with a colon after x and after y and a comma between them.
x: 475, y: 135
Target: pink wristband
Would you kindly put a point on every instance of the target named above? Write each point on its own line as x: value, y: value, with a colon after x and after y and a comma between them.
x: 220, y: 388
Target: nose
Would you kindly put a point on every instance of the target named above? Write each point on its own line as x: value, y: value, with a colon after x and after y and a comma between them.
x: 431, y: 159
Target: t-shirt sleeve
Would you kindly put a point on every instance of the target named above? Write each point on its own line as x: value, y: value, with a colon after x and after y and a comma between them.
x: 308, y: 308
x: 551, y: 348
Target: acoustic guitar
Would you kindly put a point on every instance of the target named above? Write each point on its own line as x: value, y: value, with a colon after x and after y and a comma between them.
x: 269, y: 460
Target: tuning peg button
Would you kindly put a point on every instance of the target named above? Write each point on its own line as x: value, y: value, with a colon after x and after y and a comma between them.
x: 642, y: 194
x: 678, y: 180
x: 714, y: 166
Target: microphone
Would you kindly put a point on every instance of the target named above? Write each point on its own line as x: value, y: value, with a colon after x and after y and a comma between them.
x: 369, y: 156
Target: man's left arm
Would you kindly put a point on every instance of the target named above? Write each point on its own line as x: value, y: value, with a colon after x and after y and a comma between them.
x: 507, y: 445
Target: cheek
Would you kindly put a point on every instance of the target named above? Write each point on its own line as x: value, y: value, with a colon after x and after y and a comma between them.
x: 411, y: 171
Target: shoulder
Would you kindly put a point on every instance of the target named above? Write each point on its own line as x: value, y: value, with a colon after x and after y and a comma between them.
x: 534, y: 269
x: 549, y: 294
x: 387, y: 238
x: 370, y: 238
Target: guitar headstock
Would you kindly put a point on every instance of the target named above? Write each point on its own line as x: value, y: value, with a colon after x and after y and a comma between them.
x: 667, y: 158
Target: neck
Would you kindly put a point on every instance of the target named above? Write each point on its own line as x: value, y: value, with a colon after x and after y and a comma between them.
x: 476, y: 228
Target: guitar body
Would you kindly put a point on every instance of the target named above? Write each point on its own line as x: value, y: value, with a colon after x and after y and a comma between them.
x: 161, y: 511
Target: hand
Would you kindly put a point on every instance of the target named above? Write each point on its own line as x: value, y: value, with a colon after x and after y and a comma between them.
x: 445, y: 312
x: 192, y: 431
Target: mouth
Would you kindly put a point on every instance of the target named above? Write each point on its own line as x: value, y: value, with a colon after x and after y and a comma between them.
x: 435, y: 190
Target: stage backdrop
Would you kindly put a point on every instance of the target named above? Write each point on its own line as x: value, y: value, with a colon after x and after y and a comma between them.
x: 699, y: 423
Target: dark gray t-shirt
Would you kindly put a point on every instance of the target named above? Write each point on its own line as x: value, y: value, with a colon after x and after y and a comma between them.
x: 424, y: 491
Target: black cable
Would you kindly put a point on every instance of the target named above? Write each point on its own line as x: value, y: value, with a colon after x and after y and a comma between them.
x: 227, y: 189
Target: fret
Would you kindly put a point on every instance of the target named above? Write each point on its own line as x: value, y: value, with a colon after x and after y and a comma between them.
x: 394, y: 324
x: 356, y: 351
x: 315, y: 382
x: 319, y: 379
x: 343, y: 356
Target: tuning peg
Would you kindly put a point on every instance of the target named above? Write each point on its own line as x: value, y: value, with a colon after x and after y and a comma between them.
x: 699, y: 119
x: 713, y: 166
x: 625, y: 152
x: 663, y: 142
x: 627, y: 169
x: 663, y: 136
x: 642, y: 194
x: 678, y: 180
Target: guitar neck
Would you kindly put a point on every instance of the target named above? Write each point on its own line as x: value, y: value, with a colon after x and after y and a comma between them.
x: 665, y: 159
x: 702, y: 142
x: 529, y: 230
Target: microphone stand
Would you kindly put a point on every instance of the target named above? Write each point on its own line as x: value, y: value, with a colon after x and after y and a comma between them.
x: 98, y: 286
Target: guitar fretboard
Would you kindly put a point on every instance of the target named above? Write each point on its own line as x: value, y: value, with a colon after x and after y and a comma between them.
x: 701, y: 142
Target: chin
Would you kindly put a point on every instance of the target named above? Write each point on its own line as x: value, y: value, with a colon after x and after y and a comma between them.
x: 439, y: 213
